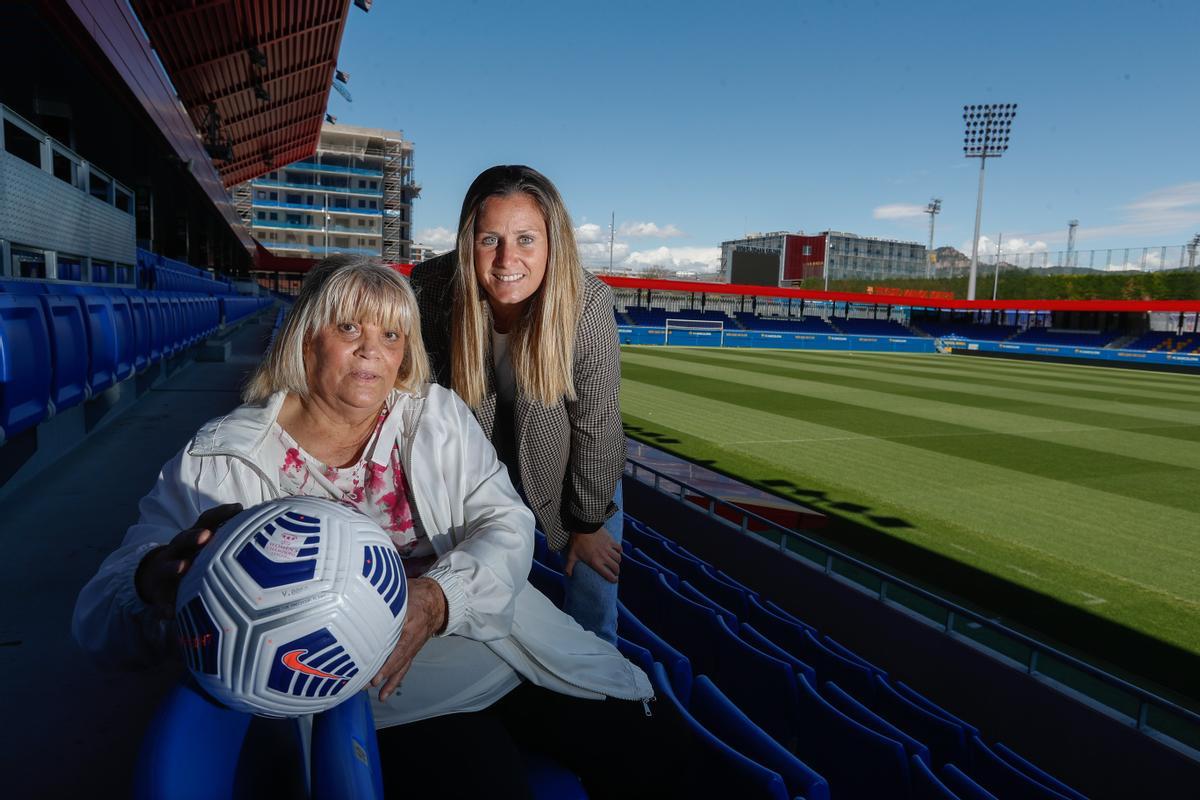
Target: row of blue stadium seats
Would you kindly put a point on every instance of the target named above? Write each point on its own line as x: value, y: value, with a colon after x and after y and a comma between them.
x: 796, y: 714
x: 167, y: 274
x: 62, y: 344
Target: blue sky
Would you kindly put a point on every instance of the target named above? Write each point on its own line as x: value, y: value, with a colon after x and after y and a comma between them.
x: 697, y: 122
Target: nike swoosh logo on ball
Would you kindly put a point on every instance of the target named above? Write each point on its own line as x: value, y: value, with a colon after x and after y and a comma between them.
x: 291, y: 660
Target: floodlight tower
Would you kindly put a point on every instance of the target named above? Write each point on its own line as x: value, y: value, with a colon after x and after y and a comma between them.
x: 986, y: 136
x: 1192, y: 247
x: 933, y: 209
x: 1071, y: 226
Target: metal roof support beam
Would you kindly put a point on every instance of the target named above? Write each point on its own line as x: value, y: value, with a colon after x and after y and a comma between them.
x: 247, y: 85
x: 181, y: 72
x: 184, y: 13
x: 273, y: 147
x: 276, y: 106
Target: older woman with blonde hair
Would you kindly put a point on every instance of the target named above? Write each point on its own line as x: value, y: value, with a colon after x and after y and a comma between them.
x: 527, y: 337
x: 340, y: 409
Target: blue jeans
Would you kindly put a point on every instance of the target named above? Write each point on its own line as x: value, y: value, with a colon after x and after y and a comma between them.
x: 591, y: 599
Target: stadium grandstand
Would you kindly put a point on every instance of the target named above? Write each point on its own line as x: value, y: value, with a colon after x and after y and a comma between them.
x: 1163, y: 334
x: 134, y: 302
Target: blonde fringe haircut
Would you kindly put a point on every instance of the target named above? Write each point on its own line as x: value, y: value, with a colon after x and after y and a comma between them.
x: 342, y: 289
x: 542, y: 342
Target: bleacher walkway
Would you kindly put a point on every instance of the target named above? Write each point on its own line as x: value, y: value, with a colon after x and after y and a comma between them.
x: 69, y: 731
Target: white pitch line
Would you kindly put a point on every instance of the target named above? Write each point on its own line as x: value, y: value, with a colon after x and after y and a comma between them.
x: 1092, y: 600
x: 914, y: 436
x: 1023, y: 571
x: 960, y: 547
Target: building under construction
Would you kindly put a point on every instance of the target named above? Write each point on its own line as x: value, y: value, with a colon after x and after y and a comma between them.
x: 354, y: 195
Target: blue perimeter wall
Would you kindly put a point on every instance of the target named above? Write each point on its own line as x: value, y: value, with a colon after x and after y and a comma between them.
x: 791, y: 341
x: 1061, y: 351
x: 897, y: 344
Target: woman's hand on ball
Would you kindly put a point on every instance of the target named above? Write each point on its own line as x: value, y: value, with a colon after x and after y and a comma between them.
x: 161, y: 570
x: 426, y: 616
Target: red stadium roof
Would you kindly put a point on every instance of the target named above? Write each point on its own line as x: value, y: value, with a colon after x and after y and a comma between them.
x: 271, y: 111
x: 897, y: 300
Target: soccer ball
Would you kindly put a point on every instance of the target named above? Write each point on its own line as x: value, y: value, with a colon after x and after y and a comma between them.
x: 292, y: 607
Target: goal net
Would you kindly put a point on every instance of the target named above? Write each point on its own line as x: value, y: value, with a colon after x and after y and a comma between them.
x: 714, y: 331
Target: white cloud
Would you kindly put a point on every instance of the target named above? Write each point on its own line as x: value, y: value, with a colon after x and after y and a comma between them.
x: 1015, y: 244
x: 698, y: 259
x: 1162, y: 212
x: 648, y: 230
x: 437, y: 238
x: 595, y: 254
x: 590, y: 232
x: 898, y: 211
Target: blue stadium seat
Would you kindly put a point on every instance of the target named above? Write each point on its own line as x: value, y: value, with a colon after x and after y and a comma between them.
x: 850, y: 655
x: 142, y: 333
x: 673, y: 558
x: 549, y: 780
x: 696, y: 596
x: 783, y: 613
x: 645, y: 559
x: 196, y: 748
x: 715, y: 768
x: 345, y: 754
x: 763, y: 686
x: 636, y: 653
x: 727, y: 722
x: 677, y: 664
x: 191, y: 316
x: 173, y: 312
x: 639, y: 531
x: 722, y: 592
x: 126, y: 335
x: 924, y: 702
x: 752, y: 637
x: 69, y: 350
x: 963, y: 787
x: 154, y: 314
x: 1004, y: 780
x: 860, y: 713
x: 857, y: 761
x: 549, y: 582
x: 763, y: 616
x: 25, y: 359
x: 926, y: 785
x: 804, y: 645
x: 102, y: 341
x: 947, y: 740
x: 638, y: 584
x: 1036, y: 772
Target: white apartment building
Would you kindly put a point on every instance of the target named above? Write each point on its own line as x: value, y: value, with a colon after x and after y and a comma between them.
x: 354, y: 195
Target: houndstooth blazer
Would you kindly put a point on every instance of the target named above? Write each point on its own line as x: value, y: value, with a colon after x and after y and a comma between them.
x: 570, y: 454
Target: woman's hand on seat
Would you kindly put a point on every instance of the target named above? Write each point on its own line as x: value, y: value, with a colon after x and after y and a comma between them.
x: 161, y: 570
x: 426, y: 616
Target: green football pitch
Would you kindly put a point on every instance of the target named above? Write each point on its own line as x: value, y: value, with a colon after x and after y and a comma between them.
x: 1076, y: 484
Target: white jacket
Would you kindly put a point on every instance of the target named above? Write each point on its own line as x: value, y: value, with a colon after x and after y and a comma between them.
x: 477, y: 524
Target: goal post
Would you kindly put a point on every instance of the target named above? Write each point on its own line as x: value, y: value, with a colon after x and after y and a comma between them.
x: 710, y: 325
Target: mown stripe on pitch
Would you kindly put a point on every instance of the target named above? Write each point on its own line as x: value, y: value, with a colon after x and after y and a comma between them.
x: 1097, y: 374
x: 1145, y: 419
x: 1150, y: 481
x: 1130, y: 539
x: 1031, y: 374
x: 1066, y: 388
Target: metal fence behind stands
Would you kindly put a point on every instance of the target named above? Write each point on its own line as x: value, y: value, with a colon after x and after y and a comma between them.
x: 1115, y: 259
